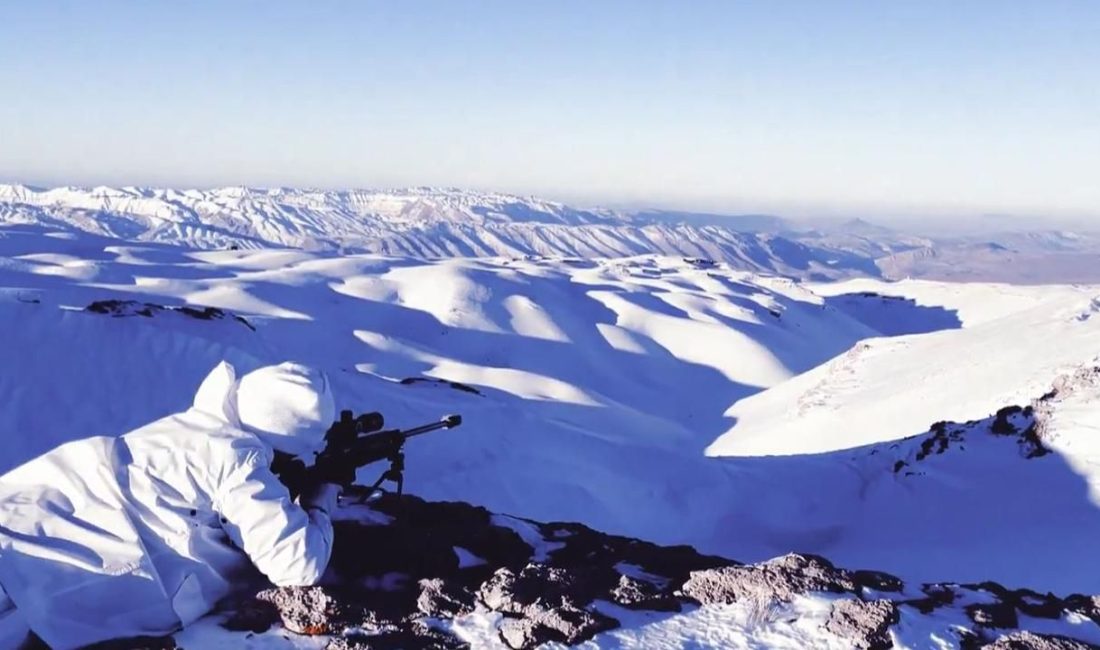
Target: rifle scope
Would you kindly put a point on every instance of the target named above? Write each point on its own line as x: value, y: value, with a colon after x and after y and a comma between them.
x: 365, y: 423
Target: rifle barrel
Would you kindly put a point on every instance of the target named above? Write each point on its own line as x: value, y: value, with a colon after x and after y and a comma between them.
x: 447, y: 423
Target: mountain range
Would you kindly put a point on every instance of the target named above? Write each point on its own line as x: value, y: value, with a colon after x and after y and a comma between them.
x: 422, y: 222
x: 943, y: 432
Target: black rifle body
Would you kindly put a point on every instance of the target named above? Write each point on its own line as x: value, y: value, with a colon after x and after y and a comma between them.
x: 354, y: 442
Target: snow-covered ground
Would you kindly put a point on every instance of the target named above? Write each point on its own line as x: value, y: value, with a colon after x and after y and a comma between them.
x: 600, y: 382
x: 667, y: 399
x: 1014, y: 341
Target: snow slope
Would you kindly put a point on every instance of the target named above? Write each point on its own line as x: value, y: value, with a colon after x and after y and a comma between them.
x: 422, y: 222
x: 599, y: 386
x: 1014, y: 341
x: 600, y: 383
x: 960, y: 500
x: 893, y: 493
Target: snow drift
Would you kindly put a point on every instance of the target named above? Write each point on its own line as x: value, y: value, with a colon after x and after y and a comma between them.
x: 592, y: 390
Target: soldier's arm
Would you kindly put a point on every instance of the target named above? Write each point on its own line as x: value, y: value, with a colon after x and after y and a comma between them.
x: 289, y: 544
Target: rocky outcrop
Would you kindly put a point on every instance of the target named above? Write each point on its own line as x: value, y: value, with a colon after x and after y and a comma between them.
x: 441, y: 599
x: 128, y: 308
x: 865, y: 623
x: 443, y: 560
x: 781, y: 579
x: 304, y: 610
x: 1031, y: 641
x: 410, y: 564
x: 544, y: 603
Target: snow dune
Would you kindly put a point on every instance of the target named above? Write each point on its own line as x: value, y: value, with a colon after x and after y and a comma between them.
x: 601, y: 382
x: 593, y: 390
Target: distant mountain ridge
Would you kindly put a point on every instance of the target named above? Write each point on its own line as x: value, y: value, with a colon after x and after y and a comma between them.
x: 420, y: 222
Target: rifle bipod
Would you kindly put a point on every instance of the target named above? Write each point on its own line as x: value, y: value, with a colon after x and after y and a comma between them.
x: 395, y: 474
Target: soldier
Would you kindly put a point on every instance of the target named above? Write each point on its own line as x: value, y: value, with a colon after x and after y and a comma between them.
x: 142, y: 534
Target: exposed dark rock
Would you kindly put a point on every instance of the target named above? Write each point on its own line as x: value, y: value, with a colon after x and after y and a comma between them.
x: 936, y: 596
x: 585, y: 547
x: 1088, y: 606
x: 1002, y: 425
x: 1031, y: 443
x: 408, y: 381
x: 779, y: 579
x: 544, y: 603
x: 866, y: 624
x: 937, y: 443
x: 1037, y: 605
x: 305, y: 610
x: 1025, y: 424
x: 999, y: 614
x: 419, y: 543
x: 441, y: 599
x: 566, y: 624
x: 537, y: 586
x: 251, y: 615
x: 701, y: 262
x: 633, y: 593
x: 878, y: 581
x: 1086, y: 377
x: 125, y: 308
x: 407, y: 561
x: 1031, y: 641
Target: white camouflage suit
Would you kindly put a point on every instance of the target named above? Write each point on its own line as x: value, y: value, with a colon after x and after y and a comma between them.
x: 106, y: 537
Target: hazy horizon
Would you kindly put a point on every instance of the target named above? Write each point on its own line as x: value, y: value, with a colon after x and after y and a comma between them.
x: 807, y: 110
x: 917, y: 222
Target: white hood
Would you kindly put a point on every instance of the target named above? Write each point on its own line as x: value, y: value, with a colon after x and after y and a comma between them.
x: 289, y: 406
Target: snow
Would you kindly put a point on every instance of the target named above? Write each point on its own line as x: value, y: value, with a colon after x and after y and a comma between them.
x: 743, y: 626
x: 529, y: 534
x: 748, y: 415
x: 420, y: 222
x: 580, y: 364
x: 466, y: 558
x: 1013, y: 343
x: 208, y: 634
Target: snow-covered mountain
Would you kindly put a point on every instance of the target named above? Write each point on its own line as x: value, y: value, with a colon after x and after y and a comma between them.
x: 441, y: 222
x: 596, y: 384
x: 677, y: 401
x: 423, y: 222
x: 580, y: 366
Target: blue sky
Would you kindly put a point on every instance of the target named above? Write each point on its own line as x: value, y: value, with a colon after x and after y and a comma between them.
x: 815, y: 107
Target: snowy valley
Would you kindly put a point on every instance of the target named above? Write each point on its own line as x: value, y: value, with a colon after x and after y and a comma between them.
x: 673, y: 383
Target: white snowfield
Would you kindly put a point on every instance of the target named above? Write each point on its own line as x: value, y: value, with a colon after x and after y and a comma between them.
x: 603, y: 385
x: 1013, y: 343
x: 601, y: 382
x: 420, y: 222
